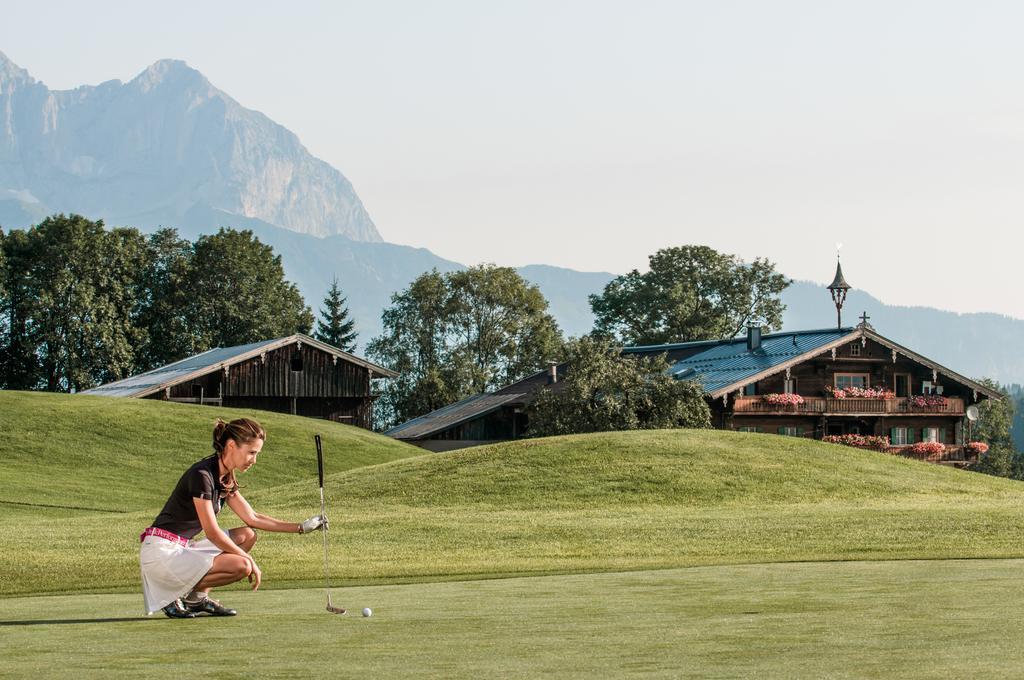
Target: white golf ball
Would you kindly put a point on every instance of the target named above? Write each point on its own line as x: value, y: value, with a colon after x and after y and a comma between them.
x: 367, y: 611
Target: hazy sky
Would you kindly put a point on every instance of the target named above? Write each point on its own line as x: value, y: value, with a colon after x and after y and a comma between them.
x: 590, y: 134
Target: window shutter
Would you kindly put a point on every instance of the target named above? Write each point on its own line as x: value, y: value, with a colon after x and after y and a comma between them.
x: 911, y: 434
x: 892, y: 435
x: 799, y: 432
x: 941, y: 435
x: 782, y: 430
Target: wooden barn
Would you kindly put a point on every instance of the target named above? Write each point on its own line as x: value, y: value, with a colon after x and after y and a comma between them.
x: 296, y: 374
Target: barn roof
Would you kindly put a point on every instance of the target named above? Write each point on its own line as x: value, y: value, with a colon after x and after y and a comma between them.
x: 449, y: 416
x: 145, y: 384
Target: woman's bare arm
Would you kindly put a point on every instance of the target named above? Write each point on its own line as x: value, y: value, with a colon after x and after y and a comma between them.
x: 219, y: 537
x: 241, y: 507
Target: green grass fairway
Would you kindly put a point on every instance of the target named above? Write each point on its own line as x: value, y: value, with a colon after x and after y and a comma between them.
x: 848, y: 620
x: 674, y: 553
x: 604, y: 502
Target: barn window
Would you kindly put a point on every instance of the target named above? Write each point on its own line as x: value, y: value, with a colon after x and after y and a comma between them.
x: 297, y: 362
x: 854, y: 349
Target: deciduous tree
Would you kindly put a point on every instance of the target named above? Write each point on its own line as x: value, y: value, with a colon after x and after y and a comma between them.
x: 73, y: 287
x: 605, y: 390
x: 690, y: 293
x: 234, y: 292
x: 453, y: 335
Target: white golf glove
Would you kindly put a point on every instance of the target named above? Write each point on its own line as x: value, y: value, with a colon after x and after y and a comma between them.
x: 313, y: 523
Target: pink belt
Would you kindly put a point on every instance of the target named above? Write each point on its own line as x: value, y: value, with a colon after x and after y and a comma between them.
x: 161, y: 533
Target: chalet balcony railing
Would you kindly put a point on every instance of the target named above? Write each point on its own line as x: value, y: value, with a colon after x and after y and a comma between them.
x: 952, y: 406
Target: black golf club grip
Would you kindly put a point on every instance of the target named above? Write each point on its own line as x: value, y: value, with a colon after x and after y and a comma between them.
x: 320, y: 461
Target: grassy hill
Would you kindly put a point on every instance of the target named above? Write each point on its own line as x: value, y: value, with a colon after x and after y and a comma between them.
x: 604, y: 502
x: 119, y: 455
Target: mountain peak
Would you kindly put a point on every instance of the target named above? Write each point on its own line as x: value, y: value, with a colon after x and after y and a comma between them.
x: 9, y: 71
x: 167, y: 71
x: 151, y: 150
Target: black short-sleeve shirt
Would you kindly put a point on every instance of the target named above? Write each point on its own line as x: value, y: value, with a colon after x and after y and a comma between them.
x: 202, y: 480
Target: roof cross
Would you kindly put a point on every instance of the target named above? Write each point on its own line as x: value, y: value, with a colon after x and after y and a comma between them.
x: 864, y: 319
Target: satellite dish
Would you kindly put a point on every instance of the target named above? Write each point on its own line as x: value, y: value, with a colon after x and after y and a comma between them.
x: 972, y: 413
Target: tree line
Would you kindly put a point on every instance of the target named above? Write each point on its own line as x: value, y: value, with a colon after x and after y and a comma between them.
x: 82, y: 305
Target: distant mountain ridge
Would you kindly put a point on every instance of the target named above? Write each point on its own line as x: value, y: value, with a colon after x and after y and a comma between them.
x: 975, y: 345
x: 169, y: 149
x: 148, y: 151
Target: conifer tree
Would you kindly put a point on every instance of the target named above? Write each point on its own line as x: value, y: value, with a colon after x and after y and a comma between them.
x: 334, y: 326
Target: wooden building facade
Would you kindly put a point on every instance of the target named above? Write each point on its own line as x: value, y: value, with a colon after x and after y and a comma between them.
x: 814, y: 384
x: 846, y: 383
x: 296, y: 374
x: 860, y: 384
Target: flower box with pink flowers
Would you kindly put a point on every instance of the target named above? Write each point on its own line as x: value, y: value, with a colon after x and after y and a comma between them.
x: 790, y: 401
x: 926, y: 402
x: 860, y: 393
x: 976, y: 448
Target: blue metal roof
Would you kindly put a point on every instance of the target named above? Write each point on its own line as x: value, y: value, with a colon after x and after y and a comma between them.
x: 728, y: 362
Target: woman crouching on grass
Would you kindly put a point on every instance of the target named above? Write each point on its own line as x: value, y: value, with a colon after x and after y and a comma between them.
x: 178, y: 572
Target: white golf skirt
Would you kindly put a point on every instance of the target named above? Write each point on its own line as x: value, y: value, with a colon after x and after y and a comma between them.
x: 170, y: 569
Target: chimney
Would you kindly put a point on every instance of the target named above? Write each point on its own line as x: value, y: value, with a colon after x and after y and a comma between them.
x: 753, y: 337
x: 552, y: 373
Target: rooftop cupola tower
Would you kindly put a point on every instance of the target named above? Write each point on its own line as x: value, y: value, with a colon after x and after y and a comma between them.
x: 838, y: 288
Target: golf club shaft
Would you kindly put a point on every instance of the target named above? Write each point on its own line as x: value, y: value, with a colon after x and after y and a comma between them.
x: 327, y: 581
x: 323, y: 514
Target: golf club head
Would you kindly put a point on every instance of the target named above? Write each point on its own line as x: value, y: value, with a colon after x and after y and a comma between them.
x: 335, y: 610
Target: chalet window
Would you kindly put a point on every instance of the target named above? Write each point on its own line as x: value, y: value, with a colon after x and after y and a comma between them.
x: 854, y: 349
x: 297, y: 362
x: 847, y: 380
x: 901, y: 385
x: 927, y: 387
x: 790, y: 430
x: 933, y: 434
x: 750, y: 390
x: 748, y: 428
x: 900, y: 436
x: 789, y: 386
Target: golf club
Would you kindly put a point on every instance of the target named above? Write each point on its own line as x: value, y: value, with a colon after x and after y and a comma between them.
x: 323, y: 514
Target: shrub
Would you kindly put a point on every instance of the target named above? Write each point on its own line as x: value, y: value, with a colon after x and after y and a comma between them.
x: 860, y: 441
x: 605, y: 390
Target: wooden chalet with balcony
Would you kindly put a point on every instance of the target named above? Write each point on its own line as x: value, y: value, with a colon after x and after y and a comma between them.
x: 296, y: 374
x: 832, y: 382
